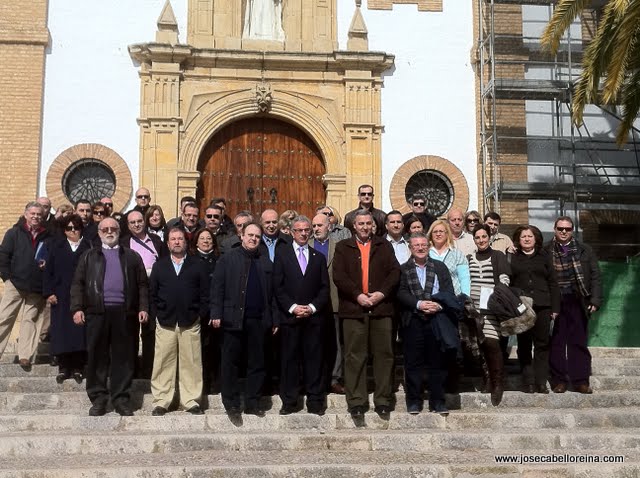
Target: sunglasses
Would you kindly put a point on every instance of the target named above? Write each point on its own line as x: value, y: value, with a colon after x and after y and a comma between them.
x: 109, y: 230
x: 330, y: 213
x: 143, y: 196
x: 71, y: 228
x: 564, y: 229
x: 471, y: 221
x: 418, y: 204
x: 98, y: 213
x: 213, y: 216
x: 366, y: 194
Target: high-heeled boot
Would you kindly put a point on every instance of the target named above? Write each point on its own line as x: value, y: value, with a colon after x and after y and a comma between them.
x: 495, y: 364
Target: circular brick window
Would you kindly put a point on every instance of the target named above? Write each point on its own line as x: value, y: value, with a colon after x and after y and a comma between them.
x: 438, y: 179
x: 89, y: 171
x: 89, y: 179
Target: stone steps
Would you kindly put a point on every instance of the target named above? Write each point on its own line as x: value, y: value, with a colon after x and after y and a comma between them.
x: 498, y: 419
x: 45, y: 432
x: 12, y: 402
x: 133, y: 443
x: 260, y: 464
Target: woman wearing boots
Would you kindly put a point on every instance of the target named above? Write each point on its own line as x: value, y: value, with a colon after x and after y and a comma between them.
x: 487, y: 268
x: 532, y: 271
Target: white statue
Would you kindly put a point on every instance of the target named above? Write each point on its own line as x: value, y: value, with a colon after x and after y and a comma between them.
x: 263, y: 20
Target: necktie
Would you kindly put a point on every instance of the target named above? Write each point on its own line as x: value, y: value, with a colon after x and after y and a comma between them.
x: 302, y: 260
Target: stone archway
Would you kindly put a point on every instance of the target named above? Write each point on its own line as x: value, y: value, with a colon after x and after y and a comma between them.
x: 261, y: 162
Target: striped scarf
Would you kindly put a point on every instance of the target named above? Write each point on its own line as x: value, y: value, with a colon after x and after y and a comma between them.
x: 568, y: 267
x: 414, y: 282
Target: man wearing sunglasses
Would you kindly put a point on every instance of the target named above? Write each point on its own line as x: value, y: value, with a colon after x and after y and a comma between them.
x: 418, y: 205
x: 576, y: 266
x: 365, y: 194
x: 110, y: 297
x: 143, y: 203
x: 213, y: 219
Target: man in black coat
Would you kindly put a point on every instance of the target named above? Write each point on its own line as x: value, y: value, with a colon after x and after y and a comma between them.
x: 301, y: 286
x: 179, y: 303
x: 110, y: 296
x: 421, y: 279
x: 241, y: 302
x: 22, y: 261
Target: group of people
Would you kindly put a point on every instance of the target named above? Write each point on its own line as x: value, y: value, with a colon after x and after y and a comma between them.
x: 301, y: 302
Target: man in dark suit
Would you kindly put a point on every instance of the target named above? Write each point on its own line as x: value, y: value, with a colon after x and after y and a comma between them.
x: 301, y: 285
x: 179, y: 302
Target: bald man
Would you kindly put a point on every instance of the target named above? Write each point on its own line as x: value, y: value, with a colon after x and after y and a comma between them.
x: 463, y: 240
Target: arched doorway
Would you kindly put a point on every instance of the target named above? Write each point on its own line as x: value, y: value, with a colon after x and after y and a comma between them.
x: 261, y: 163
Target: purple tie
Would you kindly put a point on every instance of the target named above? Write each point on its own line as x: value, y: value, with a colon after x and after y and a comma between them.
x: 302, y: 260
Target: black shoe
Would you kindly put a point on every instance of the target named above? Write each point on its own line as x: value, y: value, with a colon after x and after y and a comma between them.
x: 54, y: 361
x: 195, y: 410
x: 530, y: 388
x: 440, y: 409
x: 123, y: 409
x: 77, y: 376
x: 258, y: 412
x: 357, y: 412
x: 97, y: 410
x: 287, y: 410
x: 25, y: 364
x: 234, y: 412
x: 316, y: 409
x: 159, y: 411
x: 383, y: 411
x: 542, y: 389
x: 61, y: 377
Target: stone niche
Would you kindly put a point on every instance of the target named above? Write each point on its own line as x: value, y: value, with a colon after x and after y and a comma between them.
x: 308, y: 25
x: 191, y: 91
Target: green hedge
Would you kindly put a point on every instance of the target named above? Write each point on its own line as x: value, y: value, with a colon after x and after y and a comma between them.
x: 617, y: 324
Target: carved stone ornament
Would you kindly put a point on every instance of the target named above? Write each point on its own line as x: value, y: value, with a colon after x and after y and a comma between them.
x: 263, y: 97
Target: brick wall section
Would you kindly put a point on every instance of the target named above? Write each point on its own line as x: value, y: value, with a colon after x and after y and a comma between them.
x: 23, y: 39
x: 510, y: 56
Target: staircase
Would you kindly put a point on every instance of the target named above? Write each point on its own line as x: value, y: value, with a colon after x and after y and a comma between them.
x: 45, y: 432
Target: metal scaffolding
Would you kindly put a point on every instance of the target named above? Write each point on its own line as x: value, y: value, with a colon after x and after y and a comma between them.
x: 581, y: 167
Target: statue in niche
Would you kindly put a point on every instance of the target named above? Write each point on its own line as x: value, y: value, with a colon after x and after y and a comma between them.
x: 263, y: 20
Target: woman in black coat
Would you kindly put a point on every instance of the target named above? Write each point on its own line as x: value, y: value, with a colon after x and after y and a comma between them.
x: 205, y: 248
x: 67, y: 341
x: 532, y: 271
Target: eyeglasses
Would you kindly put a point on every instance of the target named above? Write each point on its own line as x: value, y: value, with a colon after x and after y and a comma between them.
x: 471, y: 220
x: 213, y: 216
x: 418, y: 204
x: 109, y: 230
x: 143, y: 196
x: 107, y: 203
x: 564, y: 229
x: 366, y: 194
x: 328, y: 213
x: 307, y: 230
x: 71, y: 228
x: 98, y: 213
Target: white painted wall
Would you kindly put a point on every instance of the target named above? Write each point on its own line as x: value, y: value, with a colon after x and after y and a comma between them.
x: 92, y: 86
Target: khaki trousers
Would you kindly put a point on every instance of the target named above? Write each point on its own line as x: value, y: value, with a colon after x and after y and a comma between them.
x: 33, y: 305
x: 177, y: 347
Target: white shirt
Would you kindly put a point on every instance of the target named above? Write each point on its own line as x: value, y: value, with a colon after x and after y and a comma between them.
x: 400, y: 248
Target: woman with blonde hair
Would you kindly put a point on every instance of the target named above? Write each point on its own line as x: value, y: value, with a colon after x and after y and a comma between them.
x: 284, y: 223
x: 443, y: 249
x: 471, y: 220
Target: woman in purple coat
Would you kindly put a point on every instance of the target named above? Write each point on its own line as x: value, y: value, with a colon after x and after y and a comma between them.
x: 67, y: 342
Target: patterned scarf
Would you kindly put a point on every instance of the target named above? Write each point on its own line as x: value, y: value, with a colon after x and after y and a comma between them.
x: 414, y: 282
x: 568, y: 267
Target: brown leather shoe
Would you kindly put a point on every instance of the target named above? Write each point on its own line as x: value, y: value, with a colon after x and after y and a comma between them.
x: 560, y: 388
x: 337, y: 388
x: 584, y: 388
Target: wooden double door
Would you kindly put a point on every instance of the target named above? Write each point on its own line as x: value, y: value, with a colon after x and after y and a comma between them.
x: 261, y: 163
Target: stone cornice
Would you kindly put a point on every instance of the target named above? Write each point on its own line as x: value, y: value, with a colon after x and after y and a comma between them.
x: 25, y: 37
x: 376, y: 62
